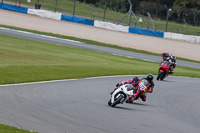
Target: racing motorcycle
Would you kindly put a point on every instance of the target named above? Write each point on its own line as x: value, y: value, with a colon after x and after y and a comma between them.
x: 163, y: 70
x: 121, y: 94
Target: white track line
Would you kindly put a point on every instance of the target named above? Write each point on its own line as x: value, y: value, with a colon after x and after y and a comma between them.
x: 30, y: 33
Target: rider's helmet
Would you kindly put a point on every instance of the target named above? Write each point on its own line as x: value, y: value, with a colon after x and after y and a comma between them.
x: 170, y: 61
x: 136, y: 81
x: 174, y: 59
x: 166, y: 56
x: 150, y: 77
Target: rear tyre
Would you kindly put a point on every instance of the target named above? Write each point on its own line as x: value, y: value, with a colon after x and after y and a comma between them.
x: 117, y: 101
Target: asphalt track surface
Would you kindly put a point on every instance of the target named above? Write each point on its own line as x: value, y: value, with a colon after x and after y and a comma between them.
x: 80, y: 106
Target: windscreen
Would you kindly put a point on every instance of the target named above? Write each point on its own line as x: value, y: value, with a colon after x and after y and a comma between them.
x: 129, y: 87
x: 166, y: 63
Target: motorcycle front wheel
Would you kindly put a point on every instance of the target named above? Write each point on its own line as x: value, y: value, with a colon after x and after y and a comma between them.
x: 160, y: 75
x: 109, y: 102
x: 117, y: 101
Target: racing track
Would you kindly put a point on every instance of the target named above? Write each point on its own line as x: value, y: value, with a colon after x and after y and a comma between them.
x: 80, y: 106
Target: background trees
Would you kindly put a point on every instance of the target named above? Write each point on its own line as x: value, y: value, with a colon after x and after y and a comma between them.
x: 181, y: 9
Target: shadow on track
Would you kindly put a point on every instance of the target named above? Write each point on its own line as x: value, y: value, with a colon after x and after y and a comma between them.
x: 119, y: 107
x: 142, y: 104
x: 164, y: 81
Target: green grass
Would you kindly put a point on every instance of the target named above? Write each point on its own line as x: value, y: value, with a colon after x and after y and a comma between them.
x: 84, y: 10
x: 94, y: 42
x: 9, y: 129
x: 23, y: 60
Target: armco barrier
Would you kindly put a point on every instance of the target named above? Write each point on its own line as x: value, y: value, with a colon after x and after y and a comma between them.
x: 145, y: 32
x: 111, y: 26
x: 181, y: 37
x: 45, y: 14
x: 13, y: 8
x: 106, y: 25
x: 77, y: 20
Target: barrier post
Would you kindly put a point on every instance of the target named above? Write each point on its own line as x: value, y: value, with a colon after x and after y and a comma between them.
x: 19, y: 3
x: 115, y: 15
x: 185, y: 26
x: 105, y: 7
x: 74, y: 8
x: 168, y: 10
x: 92, y: 11
x: 55, y: 6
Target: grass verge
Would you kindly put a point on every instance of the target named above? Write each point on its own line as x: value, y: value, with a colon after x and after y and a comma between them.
x: 94, y: 42
x: 9, y: 129
x: 23, y: 60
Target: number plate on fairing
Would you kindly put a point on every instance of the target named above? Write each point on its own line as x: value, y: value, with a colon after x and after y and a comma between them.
x: 142, y: 86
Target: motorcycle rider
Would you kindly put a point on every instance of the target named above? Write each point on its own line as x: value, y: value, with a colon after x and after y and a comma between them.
x: 173, y: 64
x: 166, y: 56
x: 134, y: 82
x: 148, y: 81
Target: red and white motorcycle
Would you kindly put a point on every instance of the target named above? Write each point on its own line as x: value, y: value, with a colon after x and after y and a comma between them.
x: 121, y: 94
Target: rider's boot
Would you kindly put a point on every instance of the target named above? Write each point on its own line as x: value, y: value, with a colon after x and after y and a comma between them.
x: 143, y: 98
x: 171, y: 72
x: 131, y: 99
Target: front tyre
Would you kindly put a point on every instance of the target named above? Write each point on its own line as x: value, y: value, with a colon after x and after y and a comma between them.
x: 117, y: 101
x: 109, y: 102
x: 159, y: 75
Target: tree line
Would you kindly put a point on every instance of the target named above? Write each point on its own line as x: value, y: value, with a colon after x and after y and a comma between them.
x: 188, y: 10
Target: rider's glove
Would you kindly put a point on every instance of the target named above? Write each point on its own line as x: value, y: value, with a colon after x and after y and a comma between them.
x: 117, y: 85
x: 150, y: 91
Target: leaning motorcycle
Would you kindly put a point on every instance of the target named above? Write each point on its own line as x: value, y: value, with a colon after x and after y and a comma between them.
x: 121, y: 94
x: 163, y: 70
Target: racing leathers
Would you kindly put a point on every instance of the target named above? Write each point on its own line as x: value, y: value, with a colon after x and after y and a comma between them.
x: 134, y: 82
x: 144, y: 87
